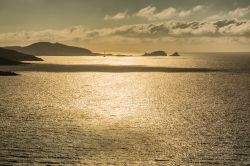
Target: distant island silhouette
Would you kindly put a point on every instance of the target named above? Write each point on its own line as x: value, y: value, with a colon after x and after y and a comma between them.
x: 58, y: 49
x: 52, y: 49
x: 14, y: 55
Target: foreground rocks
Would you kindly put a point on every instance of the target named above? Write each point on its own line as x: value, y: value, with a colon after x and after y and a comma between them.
x: 7, y: 73
x: 7, y: 62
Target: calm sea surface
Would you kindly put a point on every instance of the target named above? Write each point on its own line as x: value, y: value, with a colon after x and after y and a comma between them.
x: 188, y: 110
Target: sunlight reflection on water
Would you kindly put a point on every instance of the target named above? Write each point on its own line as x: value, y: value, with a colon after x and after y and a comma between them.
x: 129, y: 118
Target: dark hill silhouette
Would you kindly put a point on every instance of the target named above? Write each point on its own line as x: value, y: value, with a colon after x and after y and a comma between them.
x: 156, y: 53
x: 17, y: 56
x: 4, y: 61
x: 52, y: 49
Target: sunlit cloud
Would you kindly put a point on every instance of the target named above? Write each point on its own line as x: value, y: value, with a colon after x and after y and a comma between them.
x: 118, y: 16
x: 150, y: 13
x: 198, y: 8
x: 183, y: 29
x: 186, y: 13
x: 168, y: 27
x: 147, y: 12
x: 238, y: 13
x: 178, y: 29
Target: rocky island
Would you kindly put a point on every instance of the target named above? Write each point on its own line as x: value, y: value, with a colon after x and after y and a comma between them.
x: 175, y: 54
x: 156, y: 53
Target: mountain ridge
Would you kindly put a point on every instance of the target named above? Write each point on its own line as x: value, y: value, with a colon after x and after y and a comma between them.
x: 52, y: 49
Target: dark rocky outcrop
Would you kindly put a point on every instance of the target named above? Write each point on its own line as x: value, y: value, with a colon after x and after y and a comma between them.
x: 156, y: 53
x: 52, y: 49
x: 175, y: 54
x: 17, y: 56
x: 7, y: 73
x: 4, y: 61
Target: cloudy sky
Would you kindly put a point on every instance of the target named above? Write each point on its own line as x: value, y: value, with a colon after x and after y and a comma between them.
x: 129, y: 25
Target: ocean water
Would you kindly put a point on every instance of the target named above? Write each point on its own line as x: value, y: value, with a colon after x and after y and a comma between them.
x: 188, y: 110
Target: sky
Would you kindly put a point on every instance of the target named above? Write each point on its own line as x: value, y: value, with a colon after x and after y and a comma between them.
x: 132, y: 26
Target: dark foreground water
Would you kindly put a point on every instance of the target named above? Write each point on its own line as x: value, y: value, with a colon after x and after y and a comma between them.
x: 189, y: 110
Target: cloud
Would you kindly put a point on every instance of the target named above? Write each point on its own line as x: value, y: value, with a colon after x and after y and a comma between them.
x: 179, y: 29
x: 239, y: 12
x: 198, y: 8
x: 150, y: 13
x: 165, y: 14
x: 224, y: 35
x: 234, y: 14
x: 185, y: 29
x: 146, y: 12
x: 118, y: 16
x: 186, y: 13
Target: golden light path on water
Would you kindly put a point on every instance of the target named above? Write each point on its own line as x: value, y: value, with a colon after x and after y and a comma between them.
x: 117, y: 95
x: 126, y: 111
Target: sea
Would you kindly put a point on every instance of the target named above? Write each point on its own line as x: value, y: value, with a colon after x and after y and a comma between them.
x: 191, y: 110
